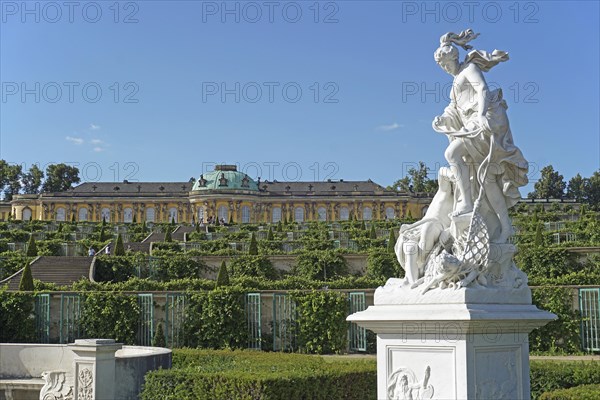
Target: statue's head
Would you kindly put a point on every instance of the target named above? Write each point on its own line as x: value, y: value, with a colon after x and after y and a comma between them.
x: 447, y: 57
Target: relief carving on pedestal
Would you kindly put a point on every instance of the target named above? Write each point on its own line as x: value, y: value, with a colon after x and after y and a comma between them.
x: 85, y: 390
x: 55, y: 387
x: 403, y: 385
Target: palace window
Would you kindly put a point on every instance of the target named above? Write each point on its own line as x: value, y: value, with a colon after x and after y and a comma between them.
x: 367, y: 213
x: 223, y: 214
x: 83, y: 214
x: 245, y: 214
x: 390, y: 213
x: 26, y: 214
x: 299, y: 214
x: 344, y: 214
x: 322, y: 214
x: 276, y: 214
x: 200, y: 213
x: 150, y: 214
x: 173, y: 214
x: 128, y: 215
x: 105, y: 215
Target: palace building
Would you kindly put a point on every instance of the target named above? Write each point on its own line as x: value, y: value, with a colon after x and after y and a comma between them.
x: 224, y: 193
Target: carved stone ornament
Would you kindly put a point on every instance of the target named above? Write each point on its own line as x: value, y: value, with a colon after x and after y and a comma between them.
x: 403, y: 385
x: 55, y: 387
x: 85, y: 390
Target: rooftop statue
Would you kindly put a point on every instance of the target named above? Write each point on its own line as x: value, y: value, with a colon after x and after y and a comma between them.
x: 462, y: 241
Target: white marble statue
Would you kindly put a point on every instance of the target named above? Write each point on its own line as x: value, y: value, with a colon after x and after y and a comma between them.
x: 462, y: 239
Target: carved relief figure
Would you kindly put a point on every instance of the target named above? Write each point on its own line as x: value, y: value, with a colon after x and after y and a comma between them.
x: 403, y: 385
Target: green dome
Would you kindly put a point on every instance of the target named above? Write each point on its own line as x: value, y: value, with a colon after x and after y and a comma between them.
x: 225, y: 177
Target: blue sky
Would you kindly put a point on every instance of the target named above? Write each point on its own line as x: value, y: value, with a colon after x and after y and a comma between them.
x: 369, y: 85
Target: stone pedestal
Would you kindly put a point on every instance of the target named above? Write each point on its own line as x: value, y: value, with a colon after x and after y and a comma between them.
x: 94, y: 369
x: 454, y: 348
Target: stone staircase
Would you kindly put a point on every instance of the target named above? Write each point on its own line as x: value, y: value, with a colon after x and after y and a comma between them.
x: 179, y: 233
x: 58, y: 270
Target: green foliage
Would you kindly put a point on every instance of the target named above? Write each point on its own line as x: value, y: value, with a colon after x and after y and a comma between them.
x: 255, y: 266
x: 539, y: 238
x: 583, y: 392
x: 119, y: 248
x: 223, y: 276
x: 383, y: 265
x: 216, y: 319
x: 32, y: 250
x: 551, y: 185
x: 17, y: 320
x: 321, y: 264
x: 245, y: 375
x: 562, y: 335
x: 321, y: 321
x: 26, y: 283
x: 270, y: 235
x: 372, y: 233
x: 253, y: 247
x: 547, y: 376
x: 110, y: 315
x: 167, y: 236
x: 159, y: 339
x: 546, y: 262
x: 391, y: 242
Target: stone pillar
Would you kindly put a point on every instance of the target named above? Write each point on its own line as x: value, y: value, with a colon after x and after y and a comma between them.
x: 94, y: 368
x: 452, y: 344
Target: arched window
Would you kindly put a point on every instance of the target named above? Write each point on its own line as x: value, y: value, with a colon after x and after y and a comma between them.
x: 223, y: 214
x: 322, y: 214
x: 150, y: 214
x: 60, y: 214
x: 367, y: 213
x: 26, y: 214
x: 299, y: 214
x: 276, y: 213
x: 390, y: 213
x: 173, y: 214
x: 83, y: 214
x: 105, y: 215
x: 245, y: 214
x: 344, y: 214
x: 200, y: 214
x: 127, y: 215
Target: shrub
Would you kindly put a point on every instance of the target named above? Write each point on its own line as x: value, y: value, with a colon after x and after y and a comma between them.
x: 168, y: 235
x: 547, y: 376
x: 583, y: 392
x: 383, y: 265
x: 119, y: 249
x: 31, y: 247
x: 256, y: 266
x: 26, y: 283
x: 253, y: 247
x: 17, y: 320
x: 254, y: 375
x: 321, y: 264
x: 223, y: 276
x: 159, y: 339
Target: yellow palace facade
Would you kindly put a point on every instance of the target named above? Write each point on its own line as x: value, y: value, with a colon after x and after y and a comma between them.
x: 224, y: 193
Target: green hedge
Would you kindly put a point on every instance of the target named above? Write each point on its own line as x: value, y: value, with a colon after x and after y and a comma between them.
x: 547, y: 376
x: 583, y: 392
x: 17, y: 321
x: 260, y: 376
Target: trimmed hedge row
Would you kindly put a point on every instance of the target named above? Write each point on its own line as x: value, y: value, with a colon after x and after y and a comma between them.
x: 583, y: 392
x: 237, y: 375
x: 547, y: 376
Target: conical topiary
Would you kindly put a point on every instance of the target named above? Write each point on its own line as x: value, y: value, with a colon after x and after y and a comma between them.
x: 159, y: 339
x: 32, y: 250
x: 26, y: 283
x: 134, y: 220
x: 253, y: 247
x: 168, y: 238
x: 119, y: 249
x: 279, y: 226
x: 102, y: 234
x: 391, y: 242
x: 231, y: 219
x: 103, y: 221
x: 172, y: 220
x: 372, y: 233
x: 539, y: 237
x: 73, y: 217
x: 223, y: 276
x: 363, y: 226
x: 270, y: 235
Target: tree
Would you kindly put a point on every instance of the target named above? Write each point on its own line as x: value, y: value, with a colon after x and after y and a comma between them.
x: 159, y: 339
x: 32, y: 180
x: 230, y: 218
x: 60, y: 177
x: 253, y: 247
x: 26, y: 283
x: 222, y: 276
x: 12, y: 175
x: 372, y: 233
x: 592, y: 191
x: 551, y: 185
x: 119, y: 248
x: 270, y: 235
x: 168, y: 238
x: 539, y: 236
x: 416, y: 181
x: 32, y: 250
x: 576, y: 188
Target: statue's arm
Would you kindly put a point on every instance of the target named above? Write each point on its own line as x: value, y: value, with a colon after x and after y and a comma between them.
x: 475, y: 77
